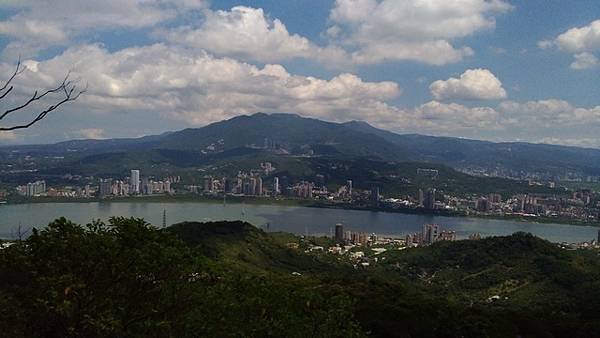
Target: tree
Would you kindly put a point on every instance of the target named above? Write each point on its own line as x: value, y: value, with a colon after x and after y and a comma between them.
x: 66, y: 90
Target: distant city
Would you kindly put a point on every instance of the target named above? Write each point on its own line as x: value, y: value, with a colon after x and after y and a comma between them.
x: 582, y: 206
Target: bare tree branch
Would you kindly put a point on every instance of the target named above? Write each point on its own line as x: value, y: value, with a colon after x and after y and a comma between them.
x: 18, y: 70
x: 67, y: 89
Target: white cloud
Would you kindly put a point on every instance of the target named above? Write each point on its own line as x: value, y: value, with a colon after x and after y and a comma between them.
x: 580, y: 39
x: 550, y: 113
x: 8, y: 136
x: 582, y: 42
x: 473, y: 84
x: 438, y: 116
x: 91, y: 133
x: 247, y: 33
x: 584, y: 61
x: 41, y: 24
x: 200, y: 88
x: 164, y: 81
x: 415, y: 30
x: 545, y: 44
x: 575, y: 142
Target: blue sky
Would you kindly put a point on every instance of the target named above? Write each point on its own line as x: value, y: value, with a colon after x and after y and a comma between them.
x: 498, y: 70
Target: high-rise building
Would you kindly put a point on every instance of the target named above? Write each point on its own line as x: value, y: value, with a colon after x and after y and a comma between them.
x: 259, y: 187
x: 430, y: 199
x: 495, y: 198
x: 134, y: 181
x: 276, y: 188
x: 339, y: 233
x: 105, y: 188
x: 208, y: 184
x: 421, y: 198
x: 35, y: 188
x: 375, y: 197
x: 349, y: 187
x: 483, y: 205
x: 430, y: 233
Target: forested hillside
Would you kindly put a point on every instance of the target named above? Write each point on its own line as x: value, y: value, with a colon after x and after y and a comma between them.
x: 127, y: 278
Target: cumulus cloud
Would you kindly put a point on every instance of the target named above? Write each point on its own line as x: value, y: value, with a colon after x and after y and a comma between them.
x: 580, y: 39
x: 550, y: 114
x: 582, y: 42
x: 415, y: 30
x: 247, y: 33
x: 201, y: 88
x: 473, y: 84
x: 452, y: 117
x: 177, y: 84
x: 584, y: 61
x: 41, y: 24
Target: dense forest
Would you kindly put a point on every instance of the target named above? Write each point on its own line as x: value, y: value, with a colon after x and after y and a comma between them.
x: 127, y: 278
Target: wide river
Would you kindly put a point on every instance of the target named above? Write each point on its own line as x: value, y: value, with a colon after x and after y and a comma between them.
x: 298, y: 220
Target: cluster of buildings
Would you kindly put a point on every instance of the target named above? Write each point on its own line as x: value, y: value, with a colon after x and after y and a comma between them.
x: 582, y: 205
x: 363, y: 249
x: 32, y: 189
x: 430, y: 234
x: 350, y: 237
x: 256, y: 183
x: 135, y: 185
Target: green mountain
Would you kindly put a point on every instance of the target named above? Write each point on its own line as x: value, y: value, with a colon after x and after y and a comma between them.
x: 292, y: 134
x: 514, y: 156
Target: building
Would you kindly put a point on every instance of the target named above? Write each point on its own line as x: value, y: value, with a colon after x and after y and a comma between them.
x: 495, y: 198
x: 276, y: 187
x: 105, y: 188
x: 208, y: 184
x: 420, y: 198
x: 259, y: 187
x: 431, y: 173
x: 429, y: 201
x: 430, y: 233
x: 349, y: 187
x: 134, y: 182
x: 339, y: 233
x: 375, y: 196
x: 447, y: 235
x: 32, y: 189
x: 483, y: 205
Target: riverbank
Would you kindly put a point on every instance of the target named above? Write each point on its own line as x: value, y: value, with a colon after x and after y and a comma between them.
x: 298, y: 203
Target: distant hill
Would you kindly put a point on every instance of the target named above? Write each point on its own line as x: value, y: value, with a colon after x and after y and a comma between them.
x: 291, y: 132
x: 295, y: 135
x: 516, y: 156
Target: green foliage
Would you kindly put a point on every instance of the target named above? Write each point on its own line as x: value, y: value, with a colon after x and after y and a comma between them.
x: 127, y: 278
x: 130, y: 279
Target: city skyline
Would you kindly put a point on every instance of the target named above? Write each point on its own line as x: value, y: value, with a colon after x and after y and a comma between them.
x: 495, y: 70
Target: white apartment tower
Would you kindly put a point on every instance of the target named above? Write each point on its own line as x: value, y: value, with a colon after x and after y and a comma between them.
x: 134, y: 182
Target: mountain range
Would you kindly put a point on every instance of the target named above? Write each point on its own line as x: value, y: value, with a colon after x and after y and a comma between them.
x: 296, y: 135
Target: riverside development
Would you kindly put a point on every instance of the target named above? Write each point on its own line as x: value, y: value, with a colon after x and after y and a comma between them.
x: 264, y: 184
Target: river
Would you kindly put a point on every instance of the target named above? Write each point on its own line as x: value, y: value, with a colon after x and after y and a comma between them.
x: 298, y: 220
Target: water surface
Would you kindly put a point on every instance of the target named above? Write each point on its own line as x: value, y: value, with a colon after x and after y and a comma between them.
x: 298, y: 220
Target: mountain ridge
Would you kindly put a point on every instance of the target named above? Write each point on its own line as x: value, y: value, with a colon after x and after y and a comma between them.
x: 297, y: 135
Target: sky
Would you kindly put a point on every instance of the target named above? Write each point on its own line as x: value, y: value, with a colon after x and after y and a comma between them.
x: 499, y: 70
